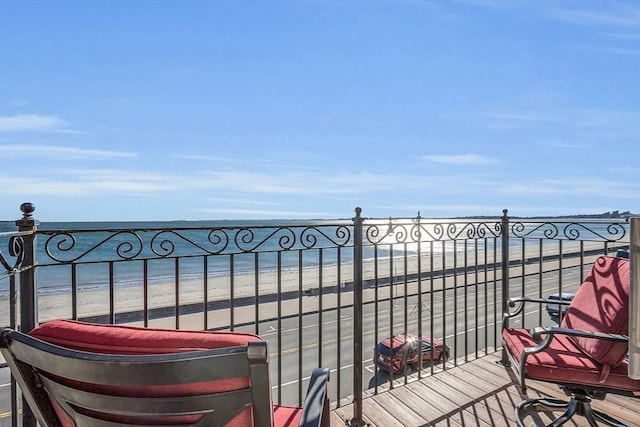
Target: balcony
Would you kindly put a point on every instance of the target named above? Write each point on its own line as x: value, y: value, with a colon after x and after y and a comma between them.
x: 321, y: 293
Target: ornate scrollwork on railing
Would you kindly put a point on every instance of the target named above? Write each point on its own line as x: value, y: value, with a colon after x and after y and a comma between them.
x: 247, y: 240
x: 418, y: 231
x: 17, y: 251
x: 167, y: 243
x: 64, y: 246
x: 569, y: 231
x: 120, y: 245
x: 313, y: 236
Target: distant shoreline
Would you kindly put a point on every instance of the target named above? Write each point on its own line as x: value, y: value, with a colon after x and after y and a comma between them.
x: 161, y: 298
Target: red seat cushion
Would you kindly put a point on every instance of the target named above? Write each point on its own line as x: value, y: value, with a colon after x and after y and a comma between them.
x: 602, y: 304
x: 121, y: 339
x: 286, y: 416
x: 563, y: 363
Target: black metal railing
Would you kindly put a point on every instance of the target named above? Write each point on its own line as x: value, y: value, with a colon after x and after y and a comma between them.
x: 322, y: 293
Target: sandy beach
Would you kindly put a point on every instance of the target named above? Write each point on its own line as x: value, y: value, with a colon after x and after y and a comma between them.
x: 130, y: 299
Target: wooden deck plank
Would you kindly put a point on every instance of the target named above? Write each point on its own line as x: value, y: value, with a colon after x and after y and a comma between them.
x: 335, y: 419
x: 479, y: 393
x: 480, y: 396
x: 377, y: 415
x: 400, y: 408
x: 432, y: 397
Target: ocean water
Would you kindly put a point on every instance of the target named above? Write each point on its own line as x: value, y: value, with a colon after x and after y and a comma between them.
x: 230, y: 248
x: 223, y: 248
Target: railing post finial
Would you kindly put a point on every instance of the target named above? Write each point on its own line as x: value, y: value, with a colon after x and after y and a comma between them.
x: 27, y: 222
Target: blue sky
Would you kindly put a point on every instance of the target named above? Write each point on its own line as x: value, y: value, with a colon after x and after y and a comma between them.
x: 162, y: 110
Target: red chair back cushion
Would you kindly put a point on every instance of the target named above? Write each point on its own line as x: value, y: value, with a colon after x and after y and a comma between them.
x: 129, y: 340
x: 602, y: 304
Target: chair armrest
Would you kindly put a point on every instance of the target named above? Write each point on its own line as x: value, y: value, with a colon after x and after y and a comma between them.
x: 519, y: 304
x: 536, y: 333
x: 315, y: 412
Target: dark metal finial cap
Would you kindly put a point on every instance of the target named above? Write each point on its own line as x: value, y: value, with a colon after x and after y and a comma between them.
x: 27, y: 209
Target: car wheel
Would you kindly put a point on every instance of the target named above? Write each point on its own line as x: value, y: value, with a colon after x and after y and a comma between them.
x: 444, y: 356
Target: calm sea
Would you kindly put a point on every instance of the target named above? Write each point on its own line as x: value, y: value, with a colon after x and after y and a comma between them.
x: 192, y: 240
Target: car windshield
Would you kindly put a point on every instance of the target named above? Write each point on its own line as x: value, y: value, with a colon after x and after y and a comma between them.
x: 383, y: 350
x: 565, y: 297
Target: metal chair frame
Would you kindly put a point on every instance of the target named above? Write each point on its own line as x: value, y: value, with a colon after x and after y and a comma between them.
x: 47, y: 372
x: 580, y: 395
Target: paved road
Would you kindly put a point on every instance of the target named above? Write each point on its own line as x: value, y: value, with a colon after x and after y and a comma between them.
x: 323, y: 343
x: 458, y: 327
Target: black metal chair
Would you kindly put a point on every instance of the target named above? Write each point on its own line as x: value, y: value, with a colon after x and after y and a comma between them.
x: 67, y: 387
x: 585, y: 356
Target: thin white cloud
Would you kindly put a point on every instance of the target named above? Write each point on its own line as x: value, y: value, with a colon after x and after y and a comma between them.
x: 620, y: 17
x: 34, y: 123
x: 624, y: 122
x: 460, y: 159
x: 262, y: 213
x: 241, y: 201
x: 569, y: 187
x: 216, y: 159
x: 60, y: 152
x: 569, y: 145
x: 622, y: 51
x: 90, y: 182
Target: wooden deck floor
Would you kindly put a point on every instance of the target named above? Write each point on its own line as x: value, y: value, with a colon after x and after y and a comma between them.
x: 479, y: 393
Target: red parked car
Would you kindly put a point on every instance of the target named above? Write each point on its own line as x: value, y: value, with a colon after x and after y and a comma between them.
x: 391, y: 354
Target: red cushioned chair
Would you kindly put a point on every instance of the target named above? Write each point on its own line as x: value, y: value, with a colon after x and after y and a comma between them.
x: 586, y: 355
x: 75, y: 374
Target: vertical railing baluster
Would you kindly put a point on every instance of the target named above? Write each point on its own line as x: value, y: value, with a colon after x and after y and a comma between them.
x: 392, y: 303
x: 486, y: 299
x: 560, y: 274
x: 338, y: 318
x: 455, y: 301
x: 145, y: 292
x: 232, y: 296
x: 74, y: 291
x: 205, y: 292
x: 540, y: 276
x: 357, y: 421
x: 465, y: 296
x: 279, y: 322
x: 496, y: 315
x: 300, y: 307
x: 431, y: 301
x: 504, y: 229
x: 112, y: 295
x: 320, y: 314
x: 176, y: 291
x: 406, y: 306
x: 418, y: 236
x: 256, y: 291
x: 376, y: 309
x: 581, y: 261
x: 523, y: 265
x: 476, y: 293
x: 444, y: 300
x: 28, y: 291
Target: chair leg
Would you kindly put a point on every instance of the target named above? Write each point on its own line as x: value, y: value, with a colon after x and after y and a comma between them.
x: 594, y: 414
x: 577, y: 405
x: 546, y: 402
